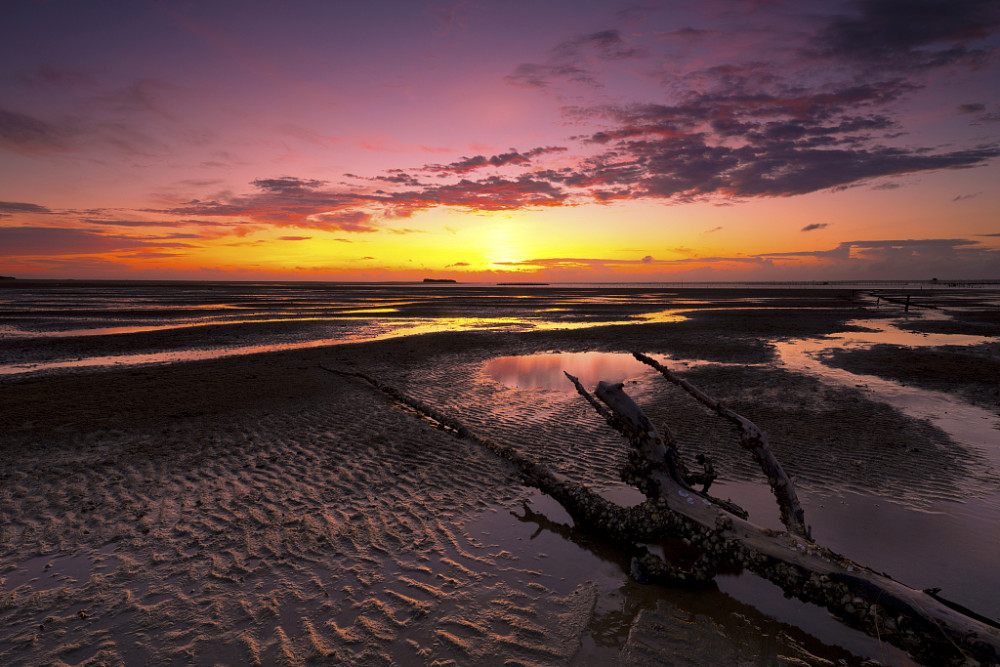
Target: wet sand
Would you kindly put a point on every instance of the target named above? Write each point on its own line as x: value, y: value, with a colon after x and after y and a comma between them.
x: 259, y: 510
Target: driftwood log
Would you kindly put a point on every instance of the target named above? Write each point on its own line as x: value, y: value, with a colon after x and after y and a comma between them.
x: 928, y: 627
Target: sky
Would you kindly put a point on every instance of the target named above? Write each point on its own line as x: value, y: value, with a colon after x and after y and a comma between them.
x: 556, y: 141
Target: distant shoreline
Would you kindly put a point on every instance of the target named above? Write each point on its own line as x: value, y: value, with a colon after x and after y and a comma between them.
x: 13, y: 282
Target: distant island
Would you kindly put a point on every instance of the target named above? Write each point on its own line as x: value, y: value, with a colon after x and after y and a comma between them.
x: 7, y: 278
x: 439, y: 280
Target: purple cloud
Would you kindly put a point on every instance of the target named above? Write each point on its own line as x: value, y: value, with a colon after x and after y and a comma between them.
x: 605, y: 45
x: 529, y: 75
x: 22, y: 133
x: 288, y: 184
x: 910, y: 34
x: 28, y: 241
x: 21, y: 207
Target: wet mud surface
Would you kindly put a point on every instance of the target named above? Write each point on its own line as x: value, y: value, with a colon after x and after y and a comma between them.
x: 259, y: 510
x: 971, y: 373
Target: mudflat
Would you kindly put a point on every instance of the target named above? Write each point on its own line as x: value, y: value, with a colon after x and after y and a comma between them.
x: 261, y: 510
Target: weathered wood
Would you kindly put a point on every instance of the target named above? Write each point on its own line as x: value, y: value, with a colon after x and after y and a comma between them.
x: 600, y: 409
x: 918, y: 621
x: 755, y: 441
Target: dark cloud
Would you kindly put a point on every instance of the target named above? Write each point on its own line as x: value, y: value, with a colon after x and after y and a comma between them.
x: 765, y: 144
x: 814, y: 226
x: 860, y: 249
x: 781, y: 170
x: 688, y: 33
x: 397, y: 177
x: 287, y: 201
x: 465, y: 165
x: 528, y: 75
x: 638, y: 12
x: 910, y: 34
x: 489, y: 194
x: 294, y: 238
x: 128, y: 223
x: 456, y: 264
x: 760, y: 115
x: 293, y: 202
x: 28, y: 241
x: 969, y: 196
x: 543, y: 150
x: 564, y: 63
x: 981, y: 113
x: 159, y: 223
x: 27, y: 134
x: 751, y: 129
x: 288, y: 184
x: 512, y: 157
x: 605, y: 45
x: 21, y: 207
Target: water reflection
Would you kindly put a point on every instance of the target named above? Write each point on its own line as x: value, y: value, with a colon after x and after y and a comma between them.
x: 879, y: 530
x: 729, y: 615
x: 546, y: 371
x: 965, y: 423
x: 352, y: 329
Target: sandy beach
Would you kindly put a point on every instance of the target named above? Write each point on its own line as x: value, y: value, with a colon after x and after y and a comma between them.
x: 258, y: 509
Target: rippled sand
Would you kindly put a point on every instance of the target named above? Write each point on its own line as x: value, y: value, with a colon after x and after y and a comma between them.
x: 259, y: 510
x: 337, y: 531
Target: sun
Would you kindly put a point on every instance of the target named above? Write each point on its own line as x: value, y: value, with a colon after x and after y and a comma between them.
x: 503, y: 245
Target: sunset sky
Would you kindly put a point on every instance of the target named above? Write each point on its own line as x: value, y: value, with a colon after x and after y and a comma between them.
x: 500, y: 140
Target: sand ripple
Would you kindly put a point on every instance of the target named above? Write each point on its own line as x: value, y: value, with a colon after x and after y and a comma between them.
x: 286, y: 540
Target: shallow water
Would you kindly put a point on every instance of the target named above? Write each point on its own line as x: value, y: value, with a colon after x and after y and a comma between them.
x: 67, y: 328
x: 887, y: 535
x: 548, y: 371
x: 970, y: 425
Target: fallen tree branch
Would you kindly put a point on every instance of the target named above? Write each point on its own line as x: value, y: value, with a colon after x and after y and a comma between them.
x: 920, y: 622
x: 917, y: 621
x: 655, y: 450
x: 755, y: 441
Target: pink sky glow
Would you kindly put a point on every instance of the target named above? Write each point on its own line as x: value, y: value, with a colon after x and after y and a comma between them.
x: 475, y: 140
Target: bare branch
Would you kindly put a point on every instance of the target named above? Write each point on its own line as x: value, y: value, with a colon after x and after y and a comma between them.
x: 755, y: 441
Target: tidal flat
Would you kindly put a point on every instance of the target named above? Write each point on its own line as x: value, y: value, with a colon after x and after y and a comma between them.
x: 182, y: 483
